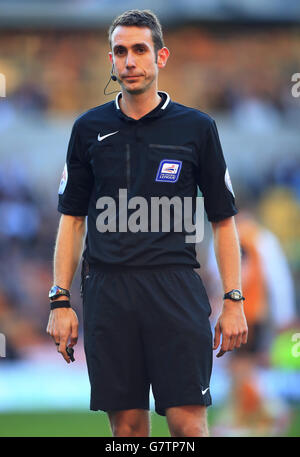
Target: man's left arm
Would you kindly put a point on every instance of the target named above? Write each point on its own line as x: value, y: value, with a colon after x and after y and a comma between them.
x: 231, y: 323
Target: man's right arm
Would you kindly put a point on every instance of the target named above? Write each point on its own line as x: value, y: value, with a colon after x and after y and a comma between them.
x: 63, y: 322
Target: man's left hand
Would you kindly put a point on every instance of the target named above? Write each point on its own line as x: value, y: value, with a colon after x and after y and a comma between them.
x: 232, y: 325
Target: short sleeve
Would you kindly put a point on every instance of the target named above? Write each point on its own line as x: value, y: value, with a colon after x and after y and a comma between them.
x: 213, y: 178
x: 77, y: 178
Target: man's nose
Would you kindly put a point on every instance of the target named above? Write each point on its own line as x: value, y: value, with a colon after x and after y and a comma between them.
x: 130, y: 61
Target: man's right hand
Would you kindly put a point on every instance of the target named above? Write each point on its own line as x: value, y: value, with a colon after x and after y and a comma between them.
x: 62, y: 325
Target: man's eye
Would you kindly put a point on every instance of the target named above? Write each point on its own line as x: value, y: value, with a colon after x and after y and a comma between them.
x: 120, y: 51
x: 140, y: 50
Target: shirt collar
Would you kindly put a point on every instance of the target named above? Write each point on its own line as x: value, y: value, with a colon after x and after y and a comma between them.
x: 156, y: 112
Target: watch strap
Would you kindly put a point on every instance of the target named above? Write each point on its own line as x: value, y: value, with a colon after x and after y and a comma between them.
x: 60, y: 304
x: 228, y: 295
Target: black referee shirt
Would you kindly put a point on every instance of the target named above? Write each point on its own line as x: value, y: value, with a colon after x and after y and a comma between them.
x: 168, y: 152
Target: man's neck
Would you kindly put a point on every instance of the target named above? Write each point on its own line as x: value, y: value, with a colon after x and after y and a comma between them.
x: 138, y: 105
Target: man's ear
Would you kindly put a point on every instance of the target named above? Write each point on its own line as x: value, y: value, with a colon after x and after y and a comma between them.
x: 162, y: 57
x: 111, y: 58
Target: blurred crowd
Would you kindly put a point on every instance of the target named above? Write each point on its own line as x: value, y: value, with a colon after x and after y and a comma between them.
x: 240, y: 73
x: 27, y: 234
x: 226, y: 68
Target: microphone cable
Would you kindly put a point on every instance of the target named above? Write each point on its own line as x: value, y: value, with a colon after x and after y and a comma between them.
x: 112, y: 78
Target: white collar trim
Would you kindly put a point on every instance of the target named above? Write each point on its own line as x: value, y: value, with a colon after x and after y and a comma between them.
x: 163, y: 107
x: 167, y: 101
x: 117, y: 100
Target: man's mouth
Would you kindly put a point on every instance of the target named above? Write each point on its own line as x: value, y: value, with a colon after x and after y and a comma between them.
x: 132, y: 76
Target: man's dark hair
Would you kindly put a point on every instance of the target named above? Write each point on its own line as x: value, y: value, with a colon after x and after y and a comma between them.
x: 140, y: 18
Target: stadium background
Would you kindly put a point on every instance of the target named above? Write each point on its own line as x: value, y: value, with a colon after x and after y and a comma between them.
x: 234, y: 60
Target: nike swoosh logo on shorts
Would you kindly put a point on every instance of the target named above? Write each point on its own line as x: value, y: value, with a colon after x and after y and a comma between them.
x: 101, y: 138
x: 204, y: 391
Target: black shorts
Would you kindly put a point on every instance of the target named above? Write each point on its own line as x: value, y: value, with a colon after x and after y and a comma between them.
x: 146, y: 327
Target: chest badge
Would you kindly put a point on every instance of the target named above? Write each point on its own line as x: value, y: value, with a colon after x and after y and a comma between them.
x: 168, y: 170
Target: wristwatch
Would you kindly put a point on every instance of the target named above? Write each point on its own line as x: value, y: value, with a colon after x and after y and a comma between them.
x: 234, y: 295
x: 57, y: 291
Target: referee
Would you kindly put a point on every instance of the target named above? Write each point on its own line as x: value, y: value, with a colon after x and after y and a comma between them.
x: 145, y: 309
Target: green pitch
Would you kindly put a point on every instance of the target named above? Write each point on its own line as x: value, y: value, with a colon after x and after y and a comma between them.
x: 67, y: 424
x: 79, y: 423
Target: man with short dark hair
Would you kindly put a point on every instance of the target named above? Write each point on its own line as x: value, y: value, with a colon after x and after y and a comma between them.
x: 146, y: 312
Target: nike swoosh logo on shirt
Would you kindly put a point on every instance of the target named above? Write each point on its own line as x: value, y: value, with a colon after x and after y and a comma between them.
x: 101, y: 138
x: 204, y: 391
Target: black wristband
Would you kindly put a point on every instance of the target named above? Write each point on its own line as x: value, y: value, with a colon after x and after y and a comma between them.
x: 60, y: 304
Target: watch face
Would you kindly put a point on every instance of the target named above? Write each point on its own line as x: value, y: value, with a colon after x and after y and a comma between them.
x: 236, y: 295
x: 53, y: 291
x: 56, y: 291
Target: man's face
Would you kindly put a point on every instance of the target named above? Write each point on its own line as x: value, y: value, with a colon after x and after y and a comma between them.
x: 134, y: 58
